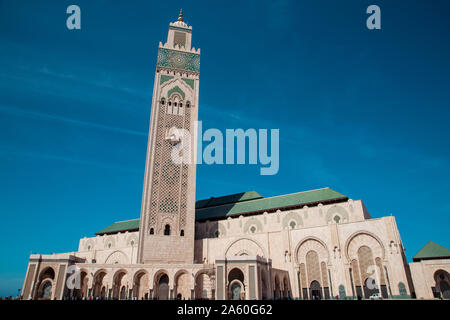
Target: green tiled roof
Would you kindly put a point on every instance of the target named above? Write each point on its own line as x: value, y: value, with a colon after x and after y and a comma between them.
x: 268, y: 204
x: 242, y: 203
x: 129, y: 225
x: 432, y: 250
x: 238, y: 197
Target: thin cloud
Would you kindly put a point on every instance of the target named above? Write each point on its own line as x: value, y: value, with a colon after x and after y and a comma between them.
x: 32, y: 114
x: 107, y: 81
x: 45, y: 156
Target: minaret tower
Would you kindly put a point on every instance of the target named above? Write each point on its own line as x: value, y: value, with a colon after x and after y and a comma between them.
x: 168, y: 203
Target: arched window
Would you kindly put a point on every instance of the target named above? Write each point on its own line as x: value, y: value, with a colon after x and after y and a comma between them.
x: 342, y: 294
x: 182, y: 233
x: 181, y: 105
x: 167, y: 230
x: 337, y: 219
x: 402, y: 289
x: 163, y: 101
x: 234, y: 274
x: 152, y: 231
x: 188, y: 104
x: 46, y: 290
x: 292, y: 224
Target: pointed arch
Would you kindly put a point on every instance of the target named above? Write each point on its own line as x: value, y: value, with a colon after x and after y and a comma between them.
x: 316, y: 243
x: 117, y: 257
x: 368, y: 234
x: 247, y: 244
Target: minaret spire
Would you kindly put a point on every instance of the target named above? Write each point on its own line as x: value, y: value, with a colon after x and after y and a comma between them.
x: 168, y: 201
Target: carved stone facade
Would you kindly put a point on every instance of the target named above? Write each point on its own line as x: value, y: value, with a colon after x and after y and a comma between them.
x: 312, y: 245
x: 319, y: 258
x: 430, y: 272
x: 168, y: 203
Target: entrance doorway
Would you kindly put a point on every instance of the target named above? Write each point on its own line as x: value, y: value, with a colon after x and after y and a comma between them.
x: 163, y: 287
x: 46, y: 291
x: 445, y: 289
x: 236, y: 291
x: 316, y: 290
x: 370, y: 287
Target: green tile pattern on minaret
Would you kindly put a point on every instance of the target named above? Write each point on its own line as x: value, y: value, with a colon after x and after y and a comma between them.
x: 178, y: 60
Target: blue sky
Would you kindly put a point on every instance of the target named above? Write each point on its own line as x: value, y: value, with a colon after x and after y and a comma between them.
x: 363, y: 112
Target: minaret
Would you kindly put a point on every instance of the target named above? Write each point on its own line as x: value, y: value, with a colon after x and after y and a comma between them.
x: 168, y: 203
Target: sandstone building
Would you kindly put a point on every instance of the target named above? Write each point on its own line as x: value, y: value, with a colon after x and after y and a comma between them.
x: 317, y: 244
x: 430, y: 271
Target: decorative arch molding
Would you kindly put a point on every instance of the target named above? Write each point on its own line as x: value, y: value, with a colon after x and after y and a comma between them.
x: 182, y: 284
x: 120, y: 280
x: 109, y: 242
x: 203, y: 283
x: 179, y: 273
x: 140, y: 283
x: 292, y: 216
x: 176, y: 90
x: 245, y: 243
x: 337, y: 210
x: 184, y: 90
x: 96, y: 279
x: 89, y: 245
x: 117, y: 257
x: 96, y: 273
x: 40, y: 289
x: 243, y: 252
x: 134, y: 238
x: 168, y: 220
x: 368, y: 235
x: 321, y: 248
x: 159, y: 273
x: 48, y: 271
x: 138, y: 273
x: 441, y: 274
x: 231, y: 284
x: 241, y: 269
x: 119, y: 272
x: 253, y: 222
x: 210, y: 273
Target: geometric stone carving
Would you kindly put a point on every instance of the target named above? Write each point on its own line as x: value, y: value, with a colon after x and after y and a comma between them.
x: 292, y: 217
x: 364, y: 239
x: 117, y: 257
x: 337, y: 211
x: 253, y: 225
x: 311, y: 245
x: 247, y: 246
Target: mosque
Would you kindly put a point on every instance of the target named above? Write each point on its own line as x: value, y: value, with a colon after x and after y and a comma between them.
x: 316, y: 244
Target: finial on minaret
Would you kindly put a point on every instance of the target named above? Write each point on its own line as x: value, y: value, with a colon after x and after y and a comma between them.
x: 180, y: 17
